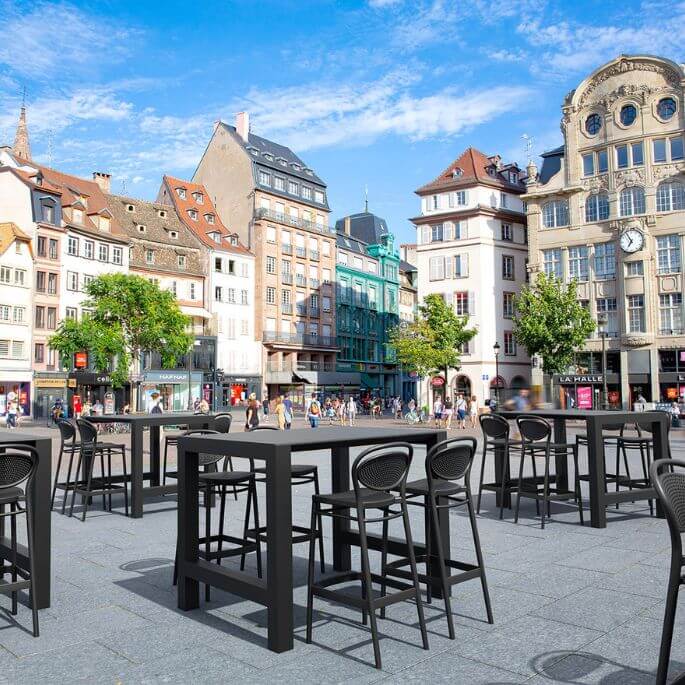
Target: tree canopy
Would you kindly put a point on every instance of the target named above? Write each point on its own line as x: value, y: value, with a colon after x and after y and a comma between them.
x: 550, y: 321
x: 432, y: 342
x: 127, y: 315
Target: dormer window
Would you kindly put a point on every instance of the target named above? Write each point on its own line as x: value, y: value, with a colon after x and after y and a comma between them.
x: 253, y: 150
x: 47, y: 210
x: 491, y: 171
x: 199, y: 198
x: 457, y: 172
x: 161, y: 213
x: 130, y: 208
x: 181, y: 193
x: 141, y: 228
x: 233, y: 239
x: 216, y: 237
x: 77, y: 216
x: 192, y: 213
x: 282, y: 161
x: 209, y: 218
x: 269, y: 156
x: 181, y: 261
x: 173, y: 235
x: 308, y: 171
x: 104, y: 223
x: 39, y: 179
x: 297, y: 167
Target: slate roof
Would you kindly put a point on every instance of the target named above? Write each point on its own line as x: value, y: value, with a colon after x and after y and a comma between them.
x: 551, y: 163
x: 364, y: 226
x: 406, y: 266
x: 347, y: 242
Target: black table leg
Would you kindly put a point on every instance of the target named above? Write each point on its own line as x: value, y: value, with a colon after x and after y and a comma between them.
x: 596, y: 470
x: 500, y: 458
x: 154, y: 455
x: 561, y: 458
x: 188, y: 514
x: 340, y: 474
x: 136, y: 470
x: 443, y: 521
x: 279, y: 550
x: 661, y: 451
x: 41, y: 522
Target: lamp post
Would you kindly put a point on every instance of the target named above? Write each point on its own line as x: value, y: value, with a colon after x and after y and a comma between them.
x: 495, y: 349
x: 191, y: 356
x: 602, y: 320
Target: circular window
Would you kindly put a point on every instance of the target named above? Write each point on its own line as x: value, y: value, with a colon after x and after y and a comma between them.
x: 628, y: 114
x: 593, y: 124
x: 666, y: 108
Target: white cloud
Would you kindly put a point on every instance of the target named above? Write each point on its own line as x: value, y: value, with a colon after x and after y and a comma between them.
x: 56, y: 39
x: 380, y: 4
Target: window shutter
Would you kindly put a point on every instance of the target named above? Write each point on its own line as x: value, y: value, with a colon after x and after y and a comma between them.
x: 425, y: 235
x: 449, y: 272
x: 465, y: 264
x: 472, y: 303
x: 447, y: 233
x: 449, y: 299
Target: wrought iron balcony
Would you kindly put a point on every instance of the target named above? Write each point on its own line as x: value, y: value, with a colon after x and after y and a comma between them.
x: 263, y: 213
x: 301, y: 339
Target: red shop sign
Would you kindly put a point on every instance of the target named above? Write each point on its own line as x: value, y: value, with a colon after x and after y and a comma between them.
x: 437, y: 381
x: 81, y: 360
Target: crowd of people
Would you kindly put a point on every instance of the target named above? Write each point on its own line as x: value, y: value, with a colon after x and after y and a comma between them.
x: 463, y: 411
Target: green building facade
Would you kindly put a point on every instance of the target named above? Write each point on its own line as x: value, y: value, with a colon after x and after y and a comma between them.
x: 368, y: 284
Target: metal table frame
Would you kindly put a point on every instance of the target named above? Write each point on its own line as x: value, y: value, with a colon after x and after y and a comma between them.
x: 595, y: 421
x: 138, y: 422
x: 275, y: 448
x: 40, y: 494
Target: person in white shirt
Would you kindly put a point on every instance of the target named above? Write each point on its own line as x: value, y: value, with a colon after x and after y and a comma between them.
x: 351, y: 410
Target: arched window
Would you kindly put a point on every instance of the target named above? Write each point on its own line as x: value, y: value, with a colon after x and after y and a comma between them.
x: 670, y: 195
x: 632, y: 201
x: 597, y: 207
x: 555, y: 214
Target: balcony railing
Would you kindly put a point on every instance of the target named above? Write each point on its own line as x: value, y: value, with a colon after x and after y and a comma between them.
x: 300, y: 366
x: 286, y: 248
x: 286, y: 279
x: 263, y: 213
x: 302, y: 339
x: 300, y: 252
x: 300, y: 279
x: 670, y: 331
x: 314, y: 282
x: 314, y: 254
x: 286, y: 308
x: 314, y: 311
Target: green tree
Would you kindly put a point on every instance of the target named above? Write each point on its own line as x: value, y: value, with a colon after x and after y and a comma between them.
x: 127, y: 316
x: 550, y: 322
x: 432, y: 342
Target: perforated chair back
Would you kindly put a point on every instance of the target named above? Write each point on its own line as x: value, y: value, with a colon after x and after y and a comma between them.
x: 263, y: 428
x: 18, y: 464
x: 88, y: 434
x: 451, y: 459
x: 494, y: 427
x: 204, y: 459
x: 383, y: 468
x: 222, y: 423
x: 670, y: 486
x: 67, y: 431
x: 534, y: 428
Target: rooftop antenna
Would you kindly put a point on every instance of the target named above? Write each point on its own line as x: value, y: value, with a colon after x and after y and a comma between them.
x: 366, y: 199
x: 23, y: 96
x: 123, y: 186
x: 528, y: 147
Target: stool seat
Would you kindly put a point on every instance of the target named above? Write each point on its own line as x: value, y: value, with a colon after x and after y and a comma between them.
x: 226, y: 477
x: 367, y: 498
x: 295, y: 469
x: 110, y: 446
x: 440, y: 487
x: 497, y: 442
x: 9, y: 495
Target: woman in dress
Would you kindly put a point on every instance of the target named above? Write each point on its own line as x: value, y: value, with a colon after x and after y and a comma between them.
x: 252, y: 412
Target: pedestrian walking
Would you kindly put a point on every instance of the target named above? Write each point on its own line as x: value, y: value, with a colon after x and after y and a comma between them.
x: 351, y: 410
x: 461, y: 411
x: 437, y: 411
x: 314, y: 412
x: 252, y: 412
x: 265, y: 408
x: 473, y: 411
x: 447, y: 412
x: 280, y: 412
x: 288, y: 414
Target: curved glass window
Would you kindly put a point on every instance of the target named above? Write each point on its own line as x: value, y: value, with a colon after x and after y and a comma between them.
x: 593, y: 124
x: 670, y: 196
x: 555, y: 214
x: 632, y: 201
x: 597, y: 207
x: 628, y: 114
x: 666, y: 108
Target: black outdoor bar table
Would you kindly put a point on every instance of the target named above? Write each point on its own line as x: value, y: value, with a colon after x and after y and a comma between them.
x: 138, y: 422
x: 595, y: 422
x: 40, y: 499
x: 276, y: 448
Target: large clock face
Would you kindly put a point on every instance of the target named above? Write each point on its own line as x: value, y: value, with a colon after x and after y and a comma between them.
x: 632, y: 240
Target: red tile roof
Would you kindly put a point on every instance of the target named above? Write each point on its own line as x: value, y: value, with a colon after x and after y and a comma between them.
x: 200, y: 226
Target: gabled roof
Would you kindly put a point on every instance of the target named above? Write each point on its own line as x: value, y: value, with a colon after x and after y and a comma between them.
x: 200, y: 226
x: 9, y: 233
x: 471, y: 168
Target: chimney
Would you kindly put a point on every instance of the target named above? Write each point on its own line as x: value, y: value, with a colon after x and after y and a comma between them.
x: 242, y: 125
x: 103, y: 180
x: 347, y: 225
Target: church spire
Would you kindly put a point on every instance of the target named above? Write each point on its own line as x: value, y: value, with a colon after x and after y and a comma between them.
x: 22, y: 147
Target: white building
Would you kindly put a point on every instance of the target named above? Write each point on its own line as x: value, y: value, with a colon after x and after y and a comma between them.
x: 472, y: 249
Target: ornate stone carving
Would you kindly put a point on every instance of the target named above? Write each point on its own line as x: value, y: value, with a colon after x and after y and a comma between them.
x: 629, y: 178
x: 661, y: 171
x: 595, y: 184
x: 636, y: 339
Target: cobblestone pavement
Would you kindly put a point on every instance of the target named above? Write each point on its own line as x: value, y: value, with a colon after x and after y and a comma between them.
x: 571, y: 605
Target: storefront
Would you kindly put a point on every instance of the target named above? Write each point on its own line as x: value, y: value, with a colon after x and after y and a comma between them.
x: 93, y: 387
x: 47, y: 389
x: 18, y: 389
x: 236, y: 389
x: 584, y: 391
x: 177, y: 389
x: 671, y: 375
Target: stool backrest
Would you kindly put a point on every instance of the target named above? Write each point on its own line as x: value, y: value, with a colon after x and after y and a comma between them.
x: 668, y: 479
x: 67, y: 431
x: 222, y: 423
x: 534, y: 428
x: 88, y: 433
x: 18, y: 463
x: 450, y: 459
x: 204, y: 459
x: 383, y: 468
x: 494, y: 427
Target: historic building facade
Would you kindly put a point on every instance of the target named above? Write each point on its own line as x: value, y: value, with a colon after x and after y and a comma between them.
x: 607, y: 209
x: 279, y: 208
x: 367, y: 281
x: 472, y: 249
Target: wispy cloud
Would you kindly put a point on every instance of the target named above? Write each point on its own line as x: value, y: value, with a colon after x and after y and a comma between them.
x: 380, y: 4
x: 57, y: 39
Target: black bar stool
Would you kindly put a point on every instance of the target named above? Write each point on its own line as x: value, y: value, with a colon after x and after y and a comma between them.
x: 300, y: 474
x: 68, y: 445
x: 536, y: 434
x: 17, y: 468
x: 446, y: 486
x: 216, y: 482
x: 376, y: 473
x: 496, y: 438
x: 91, y: 448
x: 668, y: 476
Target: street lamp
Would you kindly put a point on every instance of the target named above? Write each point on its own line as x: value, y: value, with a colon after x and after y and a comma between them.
x: 495, y: 349
x: 602, y: 320
x: 191, y: 355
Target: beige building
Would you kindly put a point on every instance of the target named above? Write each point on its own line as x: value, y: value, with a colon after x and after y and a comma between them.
x: 608, y: 208
x: 278, y: 207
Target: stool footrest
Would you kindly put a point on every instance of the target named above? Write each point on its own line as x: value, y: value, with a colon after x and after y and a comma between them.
x: 241, y: 548
x: 322, y: 589
x: 468, y: 571
x: 300, y: 534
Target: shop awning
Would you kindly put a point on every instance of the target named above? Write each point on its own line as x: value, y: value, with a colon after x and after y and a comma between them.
x: 200, y: 312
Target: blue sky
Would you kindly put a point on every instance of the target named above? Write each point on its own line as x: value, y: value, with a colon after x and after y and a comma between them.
x: 377, y: 93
